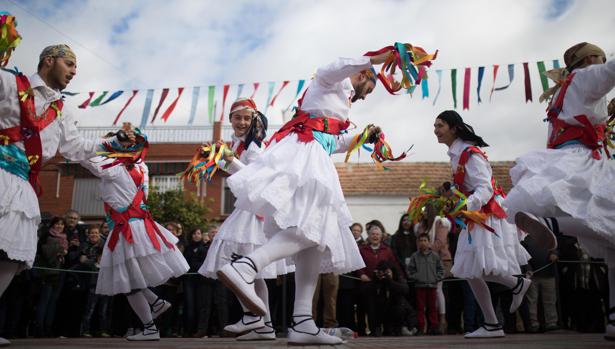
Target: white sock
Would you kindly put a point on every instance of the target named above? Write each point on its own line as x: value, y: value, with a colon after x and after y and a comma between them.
x: 149, y: 295
x: 260, y: 286
x: 508, y: 280
x: 307, y: 268
x: 483, y: 297
x: 140, y: 306
x: 7, y: 272
x: 283, y: 244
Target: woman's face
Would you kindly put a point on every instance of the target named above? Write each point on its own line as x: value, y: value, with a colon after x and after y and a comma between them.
x: 406, y: 223
x: 58, y: 226
x: 356, y: 231
x: 375, y: 236
x: 444, y: 132
x: 241, y: 121
x: 197, y: 235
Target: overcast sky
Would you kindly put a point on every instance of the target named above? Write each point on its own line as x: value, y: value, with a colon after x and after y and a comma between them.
x: 131, y: 44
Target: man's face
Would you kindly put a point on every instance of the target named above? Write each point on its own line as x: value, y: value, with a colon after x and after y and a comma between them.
x: 423, y: 243
x: 356, y: 231
x: 93, y: 235
x: 63, y: 69
x: 362, y: 88
x: 241, y: 121
x: 71, y: 220
x: 212, y: 232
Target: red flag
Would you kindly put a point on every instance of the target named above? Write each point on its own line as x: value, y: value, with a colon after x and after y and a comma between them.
x: 224, y: 94
x: 163, y: 96
x: 277, y: 94
x: 170, y: 109
x: 466, y: 89
x: 87, y: 101
x: 256, y: 85
x: 117, y: 118
x: 495, y: 74
x: 528, y: 84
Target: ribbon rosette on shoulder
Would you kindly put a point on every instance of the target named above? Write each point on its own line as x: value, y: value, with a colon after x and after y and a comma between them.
x: 125, y: 155
x: 9, y: 37
x: 380, y: 153
x: 204, y: 163
x: 411, y: 60
x: 452, y: 207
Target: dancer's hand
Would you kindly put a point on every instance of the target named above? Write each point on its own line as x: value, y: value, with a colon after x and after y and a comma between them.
x: 365, y: 278
x: 228, y: 155
x: 373, y: 133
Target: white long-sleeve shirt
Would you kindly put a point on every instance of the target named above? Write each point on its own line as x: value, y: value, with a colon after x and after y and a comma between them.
x: 117, y: 188
x: 477, y: 175
x: 246, y: 157
x: 61, y: 135
x: 587, y: 92
x: 330, y: 92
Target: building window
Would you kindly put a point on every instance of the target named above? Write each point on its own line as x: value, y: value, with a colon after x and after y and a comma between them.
x: 228, y: 199
x: 162, y: 184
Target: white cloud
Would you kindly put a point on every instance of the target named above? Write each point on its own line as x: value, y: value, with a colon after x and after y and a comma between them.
x: 188, y: 43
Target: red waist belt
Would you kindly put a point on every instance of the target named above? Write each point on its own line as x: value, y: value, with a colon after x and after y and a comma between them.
x: 303, y: 125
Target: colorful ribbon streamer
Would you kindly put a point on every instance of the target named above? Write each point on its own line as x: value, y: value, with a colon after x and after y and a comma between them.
x: 167, y: 113
x: 527, y: 82
x: 117, y: 118
x: 9, y: 37
x: 425, y: 88
x: 204, y: 163
x: 380, y: 153
x: 466, y: 88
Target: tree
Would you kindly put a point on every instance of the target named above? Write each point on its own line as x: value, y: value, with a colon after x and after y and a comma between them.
x: 175, y: 206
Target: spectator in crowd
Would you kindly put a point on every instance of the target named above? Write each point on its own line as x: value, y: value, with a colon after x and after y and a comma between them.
x: 52, y: 249
x: 104, y: 230
x: 392, y: 308
x: 386, y: 239
x: 220, y: 295
x: 425, y: 269
x: 542, y: 287
x: 74, y: 232
x: 170, y: 326
x: 350, y: 312
x: 403, y: 242
x: 91, y: 251
x: 373, y: 253
x: 196, y: 288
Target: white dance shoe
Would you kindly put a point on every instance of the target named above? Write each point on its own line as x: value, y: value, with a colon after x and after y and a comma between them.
x: 248, y: 322
x: 4, y: 342
x: 305, y: 332
x: 486, y: 331
x: 159, y: 307
x: 537, y: 229
x: 238, y: 276
x: 265, y: 333
x: 519, y: 292
x: 150, y: 333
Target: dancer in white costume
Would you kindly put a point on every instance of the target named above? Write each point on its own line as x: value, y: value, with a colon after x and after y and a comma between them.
x: 295, y: 186
x: 242, y: 232
x: 33, y: 128
x: 572, y: 181
x: 482, y: 255
x: 139, y: 253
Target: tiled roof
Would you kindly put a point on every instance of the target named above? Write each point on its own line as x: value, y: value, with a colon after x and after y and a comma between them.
x: 404, y: 178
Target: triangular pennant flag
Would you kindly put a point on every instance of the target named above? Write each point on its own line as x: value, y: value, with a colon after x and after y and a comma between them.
x: 544, y: 81
x: 146, y: 108
x: 425, y: 88
x: 117, y: 118
x: 239, y: 90
x: 256, y: 85
x: 284, y: 84
x: 481, y: 72
x: 195, y: 100
x: 454, y: 86
x: 87, y: 101
x: 167, y: 113
x: 527, y: 83
x: 163, y: 96
x: 511, y: 76
x: 224, y: 94
x: 67, y: 93
x: 439, y: 72
x: 113, y: 96
x: 299, y: 88
x: 495, y: 75
x: 96, y: 102
x: 555, y: 63
x: 269, y: 94
x: 211, y: 94
x: 466, y: 88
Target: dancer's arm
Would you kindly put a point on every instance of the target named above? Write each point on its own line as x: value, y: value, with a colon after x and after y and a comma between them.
x: 341, y: 69
x: 73, y: 146
x: 596, y: 80
x: 478, y: 179
x: 94, y: 165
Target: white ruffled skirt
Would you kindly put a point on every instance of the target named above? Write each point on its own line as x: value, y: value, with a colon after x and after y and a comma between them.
x: 19, y: 218
x: 241, y: 233
x: 295, y: 184
x: 139, y: 265
x: 481, y: 252
x: 568, y: 182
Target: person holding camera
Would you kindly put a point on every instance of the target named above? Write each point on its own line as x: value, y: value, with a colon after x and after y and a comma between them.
x: 425, y: 269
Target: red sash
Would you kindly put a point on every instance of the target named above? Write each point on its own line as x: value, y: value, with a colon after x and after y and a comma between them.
x: 304, y: 126
x: 122, y: 219
x: 492, y: 207
x: 589, y: 135
x: 29, y: 128
x: 240, y: 148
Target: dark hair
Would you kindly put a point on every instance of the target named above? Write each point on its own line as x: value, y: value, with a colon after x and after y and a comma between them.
x: 462, y: 130
x: 377, y: 223
x: 94, y: 226
x: 356, y: 223
x: 254, y: 134
x: 423, y: 235
x: 55, y: 220
x: 400, y: 226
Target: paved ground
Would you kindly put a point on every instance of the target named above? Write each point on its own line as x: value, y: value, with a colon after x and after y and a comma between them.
x: 561, y: 340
